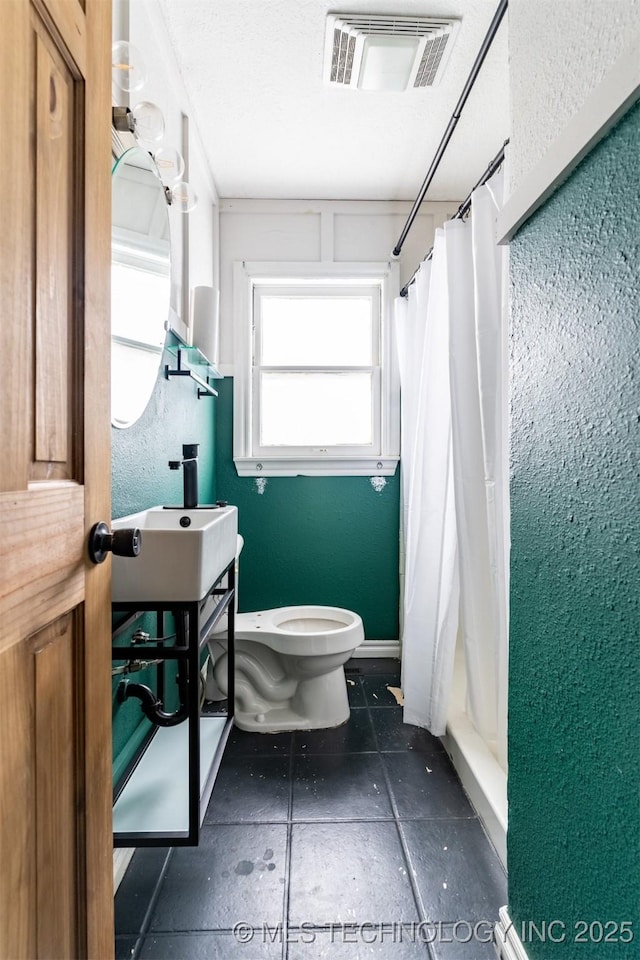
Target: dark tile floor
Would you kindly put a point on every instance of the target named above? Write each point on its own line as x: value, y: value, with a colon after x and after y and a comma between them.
x: 347, y: 843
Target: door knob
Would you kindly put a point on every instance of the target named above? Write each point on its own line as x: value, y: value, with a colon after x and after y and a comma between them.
x: 124, y: 543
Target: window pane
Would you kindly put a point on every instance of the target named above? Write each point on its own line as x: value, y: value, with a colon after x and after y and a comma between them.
x: 316, y: 331
x: 143, y: 304
x: 315, y: 409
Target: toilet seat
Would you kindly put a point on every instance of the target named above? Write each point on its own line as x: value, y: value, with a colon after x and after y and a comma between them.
x: 302, y: 630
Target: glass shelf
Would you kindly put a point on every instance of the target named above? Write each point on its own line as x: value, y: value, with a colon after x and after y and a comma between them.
x: 155, y: 799
x: 191, y: 362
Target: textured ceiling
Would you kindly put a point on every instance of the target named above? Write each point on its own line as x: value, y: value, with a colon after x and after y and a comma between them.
x: 272, y: 129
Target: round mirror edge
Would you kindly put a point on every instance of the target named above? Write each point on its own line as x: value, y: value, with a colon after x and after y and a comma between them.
x: 119, y: 152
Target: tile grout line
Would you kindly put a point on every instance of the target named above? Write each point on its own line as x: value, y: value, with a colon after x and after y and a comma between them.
x: 387, y: 783
x: 153, y: 899
x: 287, y: 869
x: 422, y: 915
x: 391, y: 818
x: 405, y: 853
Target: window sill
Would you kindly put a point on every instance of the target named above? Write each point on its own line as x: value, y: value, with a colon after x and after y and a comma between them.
x: 316, y: 467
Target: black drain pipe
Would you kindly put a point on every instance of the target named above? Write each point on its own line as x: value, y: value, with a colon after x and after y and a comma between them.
x: 152, y: 706
x: 455, y: 116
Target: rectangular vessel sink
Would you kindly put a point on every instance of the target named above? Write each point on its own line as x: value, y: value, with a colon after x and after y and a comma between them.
x: 183, y: 553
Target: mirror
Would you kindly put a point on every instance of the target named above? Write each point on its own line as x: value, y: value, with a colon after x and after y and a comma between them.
x: 140, y: 283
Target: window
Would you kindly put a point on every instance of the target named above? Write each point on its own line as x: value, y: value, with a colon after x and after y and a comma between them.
x: 315, y: 386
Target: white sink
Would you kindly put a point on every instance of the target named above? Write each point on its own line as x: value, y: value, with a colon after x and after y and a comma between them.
x: 177, y: 561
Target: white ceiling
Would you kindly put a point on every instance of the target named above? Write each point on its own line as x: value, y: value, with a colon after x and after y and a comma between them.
x: 272, y: 128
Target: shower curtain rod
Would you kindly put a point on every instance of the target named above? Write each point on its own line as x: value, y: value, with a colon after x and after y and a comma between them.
x: 455, y: 116
x: 463, y: 209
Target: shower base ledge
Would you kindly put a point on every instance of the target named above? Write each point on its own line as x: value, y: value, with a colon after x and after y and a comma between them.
x: 482, y: 777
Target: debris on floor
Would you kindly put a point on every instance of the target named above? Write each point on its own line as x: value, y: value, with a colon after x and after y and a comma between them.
x: 397, y: 693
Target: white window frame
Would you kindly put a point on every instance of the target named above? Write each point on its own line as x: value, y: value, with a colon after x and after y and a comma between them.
x: 253, y: 461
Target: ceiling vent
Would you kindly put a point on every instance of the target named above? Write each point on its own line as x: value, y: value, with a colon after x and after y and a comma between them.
x: 386, y: 53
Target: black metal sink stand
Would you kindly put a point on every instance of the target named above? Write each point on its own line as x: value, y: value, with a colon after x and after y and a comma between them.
x: 194, y: 620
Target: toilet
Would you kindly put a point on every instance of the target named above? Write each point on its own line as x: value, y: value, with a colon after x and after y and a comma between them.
x: 289, y: 666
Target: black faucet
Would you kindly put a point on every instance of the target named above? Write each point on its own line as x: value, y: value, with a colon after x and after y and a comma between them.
x: 189, y: 464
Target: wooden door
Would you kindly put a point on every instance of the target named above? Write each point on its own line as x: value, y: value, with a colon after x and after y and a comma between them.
x: 56, y: 890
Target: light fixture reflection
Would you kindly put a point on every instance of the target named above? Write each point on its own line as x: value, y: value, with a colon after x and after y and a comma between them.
x: 170, y: 164
x: 148, y: 122
x: 128, y: 67
x: 184, y: 197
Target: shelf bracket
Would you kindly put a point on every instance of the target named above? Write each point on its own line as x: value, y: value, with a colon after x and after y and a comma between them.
x: 184, y: 370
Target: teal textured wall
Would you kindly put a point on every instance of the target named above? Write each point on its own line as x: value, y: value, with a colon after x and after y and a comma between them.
x: 574, y: 719
x: 141, y: 478
x: 140, y: 455
x: 323, y: 540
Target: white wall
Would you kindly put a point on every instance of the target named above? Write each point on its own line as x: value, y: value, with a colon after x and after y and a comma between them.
x: 314, y: 231
x: 559, y: 51
x: 194, y: 246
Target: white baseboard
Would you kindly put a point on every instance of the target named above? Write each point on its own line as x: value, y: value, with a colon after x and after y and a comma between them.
x: 121, y: 860
x: 507, y: 943
x: 378, y: 648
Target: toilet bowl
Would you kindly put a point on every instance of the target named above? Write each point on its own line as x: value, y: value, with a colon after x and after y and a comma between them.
x: 288, y: 666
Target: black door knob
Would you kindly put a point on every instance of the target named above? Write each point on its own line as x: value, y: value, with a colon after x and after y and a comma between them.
x: 124, y: 543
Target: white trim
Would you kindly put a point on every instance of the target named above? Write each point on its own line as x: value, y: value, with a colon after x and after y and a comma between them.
x: 311, y: 467
x: 241, y: 352
x: 507, y: 943
x: 603, y: 108
x: 264, y: 271
x: 121, y: 860
x: 326, y: 235
x: 177, y: 326
x: 378, y: 648
x: 369, y: 207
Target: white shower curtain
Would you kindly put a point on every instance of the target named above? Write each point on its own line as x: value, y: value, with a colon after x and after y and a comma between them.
x: 451, y: 334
